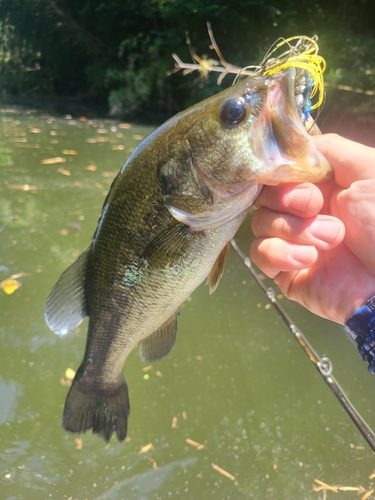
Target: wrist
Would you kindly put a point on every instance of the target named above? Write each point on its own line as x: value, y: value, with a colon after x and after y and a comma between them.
x: 361, y: 328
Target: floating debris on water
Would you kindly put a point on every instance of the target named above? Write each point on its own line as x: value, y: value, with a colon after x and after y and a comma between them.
x: 52, y: 161
x: 198, y: 446
x: 223, y: 472
x: 70, y: 152
x: 78, y: 443
x: 64, y: 172
x: 70, y: 373
x: 146, y: 448
x: 9, y: 286
x: 154, y: 464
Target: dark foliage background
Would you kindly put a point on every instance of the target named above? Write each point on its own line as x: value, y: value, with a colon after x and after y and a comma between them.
x: 118, y: 52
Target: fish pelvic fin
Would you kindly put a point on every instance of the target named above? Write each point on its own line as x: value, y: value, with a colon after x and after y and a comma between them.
x: 159, y: 344
x: 218, y: 269
x: 105, y: 412
x: 66, y: 304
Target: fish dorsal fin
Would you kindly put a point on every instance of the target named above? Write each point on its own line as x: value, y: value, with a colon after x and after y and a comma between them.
x: 217, y: 269
x: 66, y: 304
x: 157, y: 345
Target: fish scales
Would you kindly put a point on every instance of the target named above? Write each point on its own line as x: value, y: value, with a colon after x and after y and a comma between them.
x: 165, y: 227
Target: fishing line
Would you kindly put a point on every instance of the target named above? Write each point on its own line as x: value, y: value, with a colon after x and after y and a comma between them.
x: 323, y: 365
x: 6, y: 223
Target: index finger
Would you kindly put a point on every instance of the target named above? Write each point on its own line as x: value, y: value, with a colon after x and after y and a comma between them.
x: 349, y: 160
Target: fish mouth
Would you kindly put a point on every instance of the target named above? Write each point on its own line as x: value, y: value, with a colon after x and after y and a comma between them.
x: 283, y: 135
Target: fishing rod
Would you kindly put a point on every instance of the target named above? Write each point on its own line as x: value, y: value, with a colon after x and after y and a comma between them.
x: 323, y: 365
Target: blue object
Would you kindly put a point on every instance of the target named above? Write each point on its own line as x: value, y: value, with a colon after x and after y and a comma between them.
x: 361, y: 328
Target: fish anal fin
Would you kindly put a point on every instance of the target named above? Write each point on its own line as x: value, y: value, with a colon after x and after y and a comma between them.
x: 66, y: 304
x: 157, y: 345
x: 104, y: 411
x: 217, y: 269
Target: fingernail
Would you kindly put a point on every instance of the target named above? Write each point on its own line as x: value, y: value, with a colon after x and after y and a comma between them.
x: 303, y: 253
x: 325, y: 230
x: 299, y: 198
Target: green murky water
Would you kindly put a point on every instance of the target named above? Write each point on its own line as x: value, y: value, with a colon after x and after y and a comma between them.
x: 236, y: 382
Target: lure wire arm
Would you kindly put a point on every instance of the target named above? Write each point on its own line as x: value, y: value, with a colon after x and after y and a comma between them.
x: 323, y: 365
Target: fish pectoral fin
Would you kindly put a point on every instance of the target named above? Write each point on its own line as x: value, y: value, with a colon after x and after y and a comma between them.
x: 66, y: 304
x: 157, y: 345
x: 169, y: 247
x: 217, y: 270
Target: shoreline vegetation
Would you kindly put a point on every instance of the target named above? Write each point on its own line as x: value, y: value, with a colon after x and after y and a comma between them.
x: 117, y: 56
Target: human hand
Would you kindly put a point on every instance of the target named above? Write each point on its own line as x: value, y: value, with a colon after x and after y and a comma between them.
x: 318, y: 241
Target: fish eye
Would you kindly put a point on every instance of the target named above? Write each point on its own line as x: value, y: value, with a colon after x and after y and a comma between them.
x: 233, y: 112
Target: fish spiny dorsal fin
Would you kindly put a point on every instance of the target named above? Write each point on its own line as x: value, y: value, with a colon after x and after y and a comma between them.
x: 217, y: 270
x: 157, y: 345
x: 66, y: 304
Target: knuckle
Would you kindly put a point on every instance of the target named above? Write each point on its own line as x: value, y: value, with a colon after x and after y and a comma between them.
x: 282, y: 225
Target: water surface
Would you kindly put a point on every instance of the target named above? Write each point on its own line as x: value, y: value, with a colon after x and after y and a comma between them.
x: 236, y: 382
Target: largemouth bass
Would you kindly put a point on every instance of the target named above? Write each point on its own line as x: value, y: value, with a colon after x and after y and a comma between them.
x: 166, y: 225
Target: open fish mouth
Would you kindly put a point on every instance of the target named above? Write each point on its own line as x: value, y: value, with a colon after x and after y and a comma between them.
x: 282, y: 136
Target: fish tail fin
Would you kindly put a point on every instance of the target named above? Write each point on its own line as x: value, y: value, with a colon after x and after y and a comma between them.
x: 103, y: 412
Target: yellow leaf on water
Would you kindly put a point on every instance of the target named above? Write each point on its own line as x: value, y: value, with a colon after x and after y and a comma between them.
x: 70, y: 373
x: 70, y: 152
x: 10, y: 285
x: 52, y: 161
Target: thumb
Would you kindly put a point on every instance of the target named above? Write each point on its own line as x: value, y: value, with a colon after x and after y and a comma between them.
x: 349, y: 160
